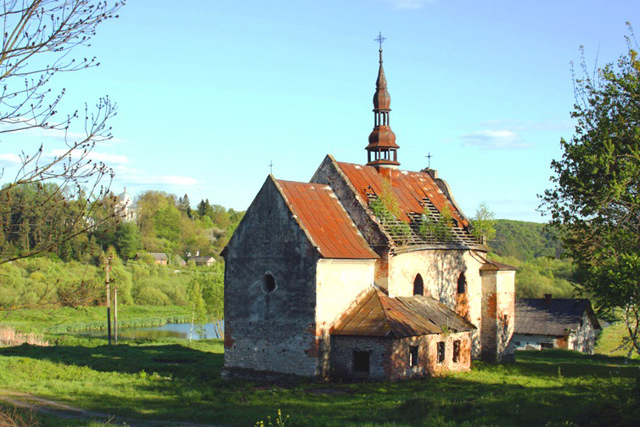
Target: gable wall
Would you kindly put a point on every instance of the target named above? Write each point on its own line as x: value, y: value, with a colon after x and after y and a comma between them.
x: 270, y: 331
x: 583, y: 339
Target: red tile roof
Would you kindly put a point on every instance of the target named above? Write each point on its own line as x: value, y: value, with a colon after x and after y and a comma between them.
x: 328, y: 225
x: 409, y: 188
x: 378, y: 315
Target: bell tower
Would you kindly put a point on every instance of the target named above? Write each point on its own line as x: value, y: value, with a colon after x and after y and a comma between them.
x: 382, y: 148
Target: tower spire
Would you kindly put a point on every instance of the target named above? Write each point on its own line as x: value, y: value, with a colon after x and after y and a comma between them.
x: 382, y: 148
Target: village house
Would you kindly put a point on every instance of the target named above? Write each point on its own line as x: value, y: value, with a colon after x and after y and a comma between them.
x: 543, y: 323
x: 367, y: 271
x: 159, y: 258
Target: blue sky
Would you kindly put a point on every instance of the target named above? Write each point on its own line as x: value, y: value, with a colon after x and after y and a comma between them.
x: 211, y: 92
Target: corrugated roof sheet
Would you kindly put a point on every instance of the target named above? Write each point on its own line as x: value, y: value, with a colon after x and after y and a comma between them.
x: 537, y: 316
x: 320, y: 213
x: 409, y: 189
x: 379, y: 315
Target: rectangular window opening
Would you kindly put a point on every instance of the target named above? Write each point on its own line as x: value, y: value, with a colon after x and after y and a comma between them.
x: 413, y: 355
x: 441, y: 352
x: 456, y: 351
x: 361, y: 361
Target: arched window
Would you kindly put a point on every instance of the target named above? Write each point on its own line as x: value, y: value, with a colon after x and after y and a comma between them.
x: 462, y: 283
x: 418, y: 285
x: 268, y: 282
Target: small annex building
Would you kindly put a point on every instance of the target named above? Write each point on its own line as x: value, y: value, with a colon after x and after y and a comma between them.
x: 544, y: 323
x: 367, y: 271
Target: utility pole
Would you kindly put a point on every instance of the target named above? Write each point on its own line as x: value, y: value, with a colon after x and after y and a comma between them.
x: 108, y: 269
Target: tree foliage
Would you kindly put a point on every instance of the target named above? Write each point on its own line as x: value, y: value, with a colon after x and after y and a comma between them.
x: 484, y: 223
x: 595, y: 194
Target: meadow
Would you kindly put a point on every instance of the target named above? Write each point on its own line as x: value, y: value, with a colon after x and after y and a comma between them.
x: 175, y: 380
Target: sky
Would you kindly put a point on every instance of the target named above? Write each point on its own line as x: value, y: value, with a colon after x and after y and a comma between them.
x: 211, y: 93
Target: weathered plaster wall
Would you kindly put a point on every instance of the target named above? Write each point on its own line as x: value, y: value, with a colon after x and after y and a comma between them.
x: 428, y: 355
x: 584, y: 338
x: 270, y: 331
x: 339, y: 282
x: 498, y: 314
x: 440, y: 270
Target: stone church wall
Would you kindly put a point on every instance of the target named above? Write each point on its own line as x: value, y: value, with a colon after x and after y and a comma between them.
x: 270, y: 292
x: 390, y: 358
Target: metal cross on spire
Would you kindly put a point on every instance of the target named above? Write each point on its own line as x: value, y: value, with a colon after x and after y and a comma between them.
x: 271, y: 167
x: 380, y: 39
x: 429, y: 156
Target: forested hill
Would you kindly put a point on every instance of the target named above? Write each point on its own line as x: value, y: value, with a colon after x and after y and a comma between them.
x: 525, y: 241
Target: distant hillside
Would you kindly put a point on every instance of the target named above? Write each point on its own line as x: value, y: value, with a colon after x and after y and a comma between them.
x: 525, y: 241
x: 535, y: 251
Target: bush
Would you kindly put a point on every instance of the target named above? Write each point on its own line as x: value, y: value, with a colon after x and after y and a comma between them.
x: 148, y: 295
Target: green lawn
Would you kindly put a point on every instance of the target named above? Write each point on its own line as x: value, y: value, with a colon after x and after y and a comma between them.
x: 177, y: 380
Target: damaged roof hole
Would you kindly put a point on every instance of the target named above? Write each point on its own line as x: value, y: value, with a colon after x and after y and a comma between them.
x: 268, y: 282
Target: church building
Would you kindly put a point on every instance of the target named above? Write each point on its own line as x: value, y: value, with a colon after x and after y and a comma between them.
x: 366, y: 272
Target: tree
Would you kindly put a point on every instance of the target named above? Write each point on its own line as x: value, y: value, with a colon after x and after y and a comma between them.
x: 596, y: 188
x: 484, y: 223
x: 39, y: 38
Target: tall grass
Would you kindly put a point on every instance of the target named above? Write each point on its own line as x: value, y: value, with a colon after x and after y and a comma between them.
x: 9, y: 336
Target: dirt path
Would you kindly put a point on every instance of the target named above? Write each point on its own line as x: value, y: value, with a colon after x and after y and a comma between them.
x: 61, y: 410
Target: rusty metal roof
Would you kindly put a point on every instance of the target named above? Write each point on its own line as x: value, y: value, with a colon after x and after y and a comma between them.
x: 409, y: 189
x: 328, y: 225
x: 378, y: 315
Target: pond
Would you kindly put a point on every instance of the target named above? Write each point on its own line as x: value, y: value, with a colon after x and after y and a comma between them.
x: 169, y: 330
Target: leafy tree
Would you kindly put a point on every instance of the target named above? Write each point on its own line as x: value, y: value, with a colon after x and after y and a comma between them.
x: 38, y: 43
x: 127, y: 240
x: 596, y: 192
x: 484, y: 223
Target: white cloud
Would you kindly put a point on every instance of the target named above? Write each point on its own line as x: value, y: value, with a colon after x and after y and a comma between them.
x: 9, y: 159
x: 409, y: 4
x: 494, y: 140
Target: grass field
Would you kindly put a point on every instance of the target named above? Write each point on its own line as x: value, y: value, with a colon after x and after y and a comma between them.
x: 180, y: 381
x: 66, y: 319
